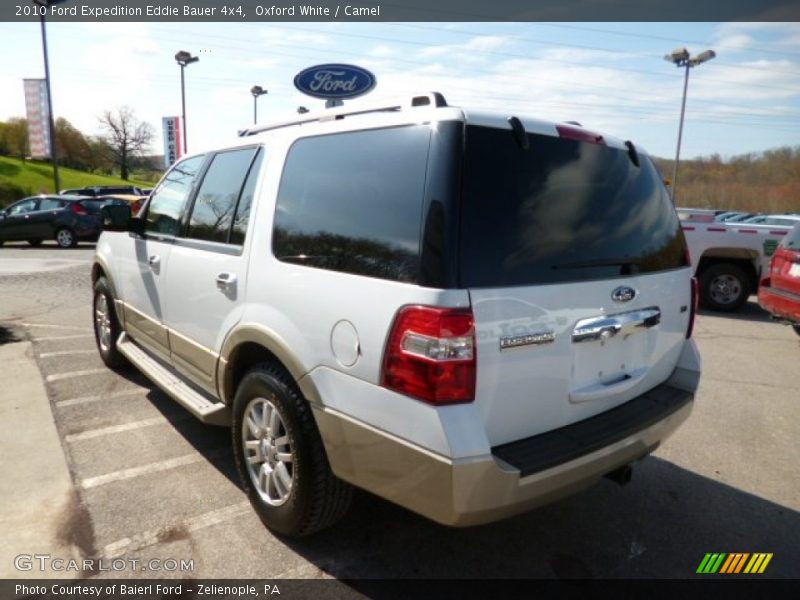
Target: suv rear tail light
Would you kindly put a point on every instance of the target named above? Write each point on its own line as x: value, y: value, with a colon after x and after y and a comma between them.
x: 430, y: 355
x: 693, y: 308
x: 76, y: 208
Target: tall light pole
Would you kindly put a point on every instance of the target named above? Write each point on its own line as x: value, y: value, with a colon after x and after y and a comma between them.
x: 51, y: 125
x: 680, y: 58
x: 257, y: 91
x: 184, y: 58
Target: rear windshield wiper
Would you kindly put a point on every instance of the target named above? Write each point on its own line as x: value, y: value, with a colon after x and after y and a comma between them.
x: 625, y: 263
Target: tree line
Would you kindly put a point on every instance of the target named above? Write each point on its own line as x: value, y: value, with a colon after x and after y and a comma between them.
x: 120, y: 149
x: 767, y: 182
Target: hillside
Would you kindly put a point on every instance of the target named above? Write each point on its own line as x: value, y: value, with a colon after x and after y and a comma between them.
x: 19, y: 179
x: 755, y: 182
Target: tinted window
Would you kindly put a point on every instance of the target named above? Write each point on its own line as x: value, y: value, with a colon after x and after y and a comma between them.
x: 216, y: 199
x: 94, y: 206
x: 25, y: 206
x: 563, y: 210
x: 50, y: 204
x: 169, y: 200
x: 352, y: 202
x: 245, y: 202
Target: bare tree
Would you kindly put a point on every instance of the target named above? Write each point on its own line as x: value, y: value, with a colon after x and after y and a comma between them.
x: 127, y: 136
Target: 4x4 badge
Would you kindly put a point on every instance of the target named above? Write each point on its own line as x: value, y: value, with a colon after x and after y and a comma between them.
x: 623, y: 294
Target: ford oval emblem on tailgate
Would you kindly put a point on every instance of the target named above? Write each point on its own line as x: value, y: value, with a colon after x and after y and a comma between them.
x: 623, y: 294
x: 334, y: 81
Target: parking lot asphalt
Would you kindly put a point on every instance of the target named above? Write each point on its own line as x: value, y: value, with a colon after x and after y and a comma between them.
x: 154, y: 483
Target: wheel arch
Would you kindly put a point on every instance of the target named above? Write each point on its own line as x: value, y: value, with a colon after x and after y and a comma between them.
x: 248, y: 345
x: 100, y: 268
x: 743, y: 258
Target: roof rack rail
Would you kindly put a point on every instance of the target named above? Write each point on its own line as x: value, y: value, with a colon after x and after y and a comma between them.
x: 418, y: 100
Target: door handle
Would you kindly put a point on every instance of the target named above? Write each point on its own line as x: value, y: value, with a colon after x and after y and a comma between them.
x: 154, y: 261
x: 226, y: 281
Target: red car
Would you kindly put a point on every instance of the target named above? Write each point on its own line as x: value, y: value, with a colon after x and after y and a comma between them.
x: 779, y: 293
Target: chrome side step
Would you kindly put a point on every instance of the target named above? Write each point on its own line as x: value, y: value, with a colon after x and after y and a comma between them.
x: 202, y: 407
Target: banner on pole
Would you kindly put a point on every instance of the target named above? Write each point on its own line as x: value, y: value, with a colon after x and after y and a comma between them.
x: 173, y: 146
x: 38, y: 118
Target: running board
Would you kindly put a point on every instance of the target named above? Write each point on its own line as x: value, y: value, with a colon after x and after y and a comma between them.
x: 202, y: 407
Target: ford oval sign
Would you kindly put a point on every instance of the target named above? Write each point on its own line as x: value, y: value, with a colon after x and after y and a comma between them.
x: 337, y: 82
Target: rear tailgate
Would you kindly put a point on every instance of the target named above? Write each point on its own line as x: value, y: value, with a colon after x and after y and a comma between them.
x: 578, y: 276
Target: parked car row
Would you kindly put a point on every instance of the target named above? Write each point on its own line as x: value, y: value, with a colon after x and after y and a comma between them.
x: 65, y: 219
x: 106, y: 190
x: 699, y: 215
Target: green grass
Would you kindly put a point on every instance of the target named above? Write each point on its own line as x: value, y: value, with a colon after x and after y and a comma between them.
x: 36, y: 175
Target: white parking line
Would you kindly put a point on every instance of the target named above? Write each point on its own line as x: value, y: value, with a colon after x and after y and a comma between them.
x: 151, y: 538
x: 66, y: 353
x: 87, y: 399
x: 71, y: 374
x: 156, y: 467
x: 93, y: 433
x: 63, y: 337
x: 69, y: 327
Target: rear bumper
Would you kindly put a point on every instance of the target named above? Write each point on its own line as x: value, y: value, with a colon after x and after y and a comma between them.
x: 513, y: 478
x: 779, y: 303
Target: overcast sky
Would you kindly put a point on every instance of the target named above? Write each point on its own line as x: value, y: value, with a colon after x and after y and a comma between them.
x: 609, y: 76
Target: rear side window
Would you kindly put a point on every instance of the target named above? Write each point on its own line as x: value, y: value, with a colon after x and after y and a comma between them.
x: 561, y: 211
x: 50, y: 204
x: 215, y: 205
x: 168, y: 201
x: 352, y: 202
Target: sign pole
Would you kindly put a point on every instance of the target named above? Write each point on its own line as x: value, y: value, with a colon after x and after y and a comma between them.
x: 53, y: 152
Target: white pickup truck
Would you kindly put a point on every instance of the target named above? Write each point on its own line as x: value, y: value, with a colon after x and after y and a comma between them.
x: 729, y: 259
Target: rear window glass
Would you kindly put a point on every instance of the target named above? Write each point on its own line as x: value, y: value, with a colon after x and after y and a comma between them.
x: 94, y: 206
x: 561, y: 211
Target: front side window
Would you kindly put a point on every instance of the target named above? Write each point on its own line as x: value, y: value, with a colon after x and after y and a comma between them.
x: 352, y: 202
x: 216, y: 200
x: 23, y: 207
x: 168, y: 202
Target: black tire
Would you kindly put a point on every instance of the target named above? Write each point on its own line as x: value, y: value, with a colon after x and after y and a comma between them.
x: 796, y: 327
x: 66, y: 238
x: 724, y: 287
x: 35, y: 243
x: 107, y: 347
x: 316, y: 498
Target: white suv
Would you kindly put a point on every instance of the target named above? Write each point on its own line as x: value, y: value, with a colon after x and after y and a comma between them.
x: 464, y: 313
